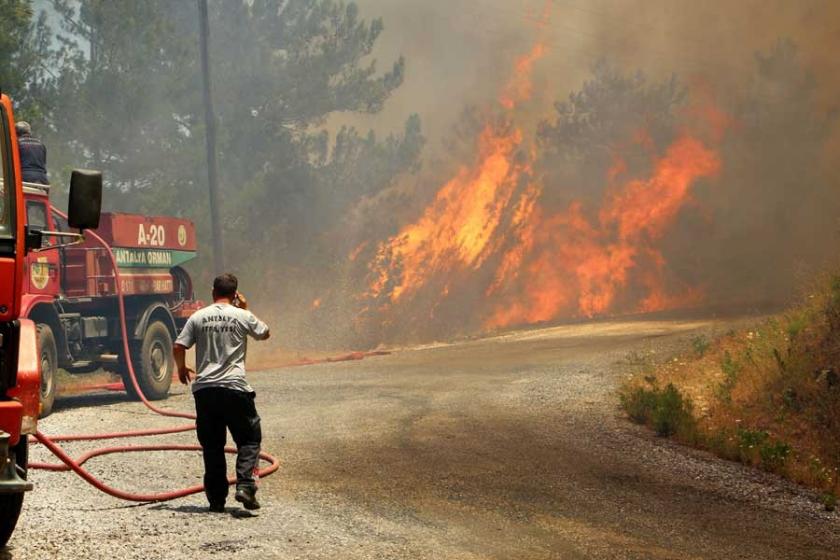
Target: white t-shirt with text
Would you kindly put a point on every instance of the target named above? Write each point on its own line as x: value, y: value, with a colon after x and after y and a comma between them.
x: 219, y: 332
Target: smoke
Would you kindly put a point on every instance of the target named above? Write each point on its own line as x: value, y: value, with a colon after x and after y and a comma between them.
x: 740, y: 98
x: 460, y: 51
x: 568, y: 158
x: 530, y: 160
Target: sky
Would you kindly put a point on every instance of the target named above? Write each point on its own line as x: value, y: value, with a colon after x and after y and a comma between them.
x: 459, y: 52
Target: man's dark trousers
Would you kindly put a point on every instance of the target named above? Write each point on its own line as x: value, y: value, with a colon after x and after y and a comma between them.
x: 217, y: 410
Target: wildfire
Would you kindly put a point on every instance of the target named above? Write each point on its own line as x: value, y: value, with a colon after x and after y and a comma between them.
x: 487, y: 232
x: 520, y: 88
x: 575, y: 267
x: 458, y: 229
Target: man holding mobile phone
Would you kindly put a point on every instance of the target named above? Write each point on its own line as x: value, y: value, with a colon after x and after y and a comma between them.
x: 223, y: 398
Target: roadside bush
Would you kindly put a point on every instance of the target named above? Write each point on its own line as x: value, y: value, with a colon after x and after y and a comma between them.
x: 639, y: 404
x: 666, y: 410
x: 829, y: 501
x: 701, y: 345
x: 731, y: 370
x: 749, y: 442
x: 767, y: 394
x: 774, y: 455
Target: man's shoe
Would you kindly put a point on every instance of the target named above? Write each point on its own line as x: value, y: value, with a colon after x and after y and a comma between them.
x: 246, y: 496
x: 217, y: 508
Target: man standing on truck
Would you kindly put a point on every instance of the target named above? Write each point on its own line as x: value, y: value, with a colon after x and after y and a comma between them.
x: 223, y: 398
x: 33, y: 155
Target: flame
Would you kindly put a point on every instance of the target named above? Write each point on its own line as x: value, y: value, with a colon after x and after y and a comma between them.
x: 575, y: 267
x: 487, y: 232
x: 354, y: 254
x: 520, y: 87
x: 456, y: 230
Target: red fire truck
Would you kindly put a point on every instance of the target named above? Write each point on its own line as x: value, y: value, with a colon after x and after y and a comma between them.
x: 19, y: 364
x: 70, y: 294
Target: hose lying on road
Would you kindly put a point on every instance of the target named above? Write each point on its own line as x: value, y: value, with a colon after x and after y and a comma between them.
x: 75, y: 465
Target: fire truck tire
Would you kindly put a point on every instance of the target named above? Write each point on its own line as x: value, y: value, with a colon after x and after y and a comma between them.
x: 153, y: 363
x: 11, y: 504
x: 49, y: 368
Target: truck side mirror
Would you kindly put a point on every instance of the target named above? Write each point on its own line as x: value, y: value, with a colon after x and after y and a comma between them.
x: 34, y: 239
x: 85, y: 199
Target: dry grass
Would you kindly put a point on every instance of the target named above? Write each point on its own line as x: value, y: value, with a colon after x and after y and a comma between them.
x: 768, y: 396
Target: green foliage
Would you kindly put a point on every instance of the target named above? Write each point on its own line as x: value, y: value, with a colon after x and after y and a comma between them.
x: 796, y: 324
x: 781, y: 363
x: 751, y: 439
x: 639, y: 404
x: 15, y: 19
x: 829, y: 500
x: 604, y: 118
x: 124, y: 100
x: 25, y: 48
x: 757, y: 446
x: 666, y: 410
x: 749, y: 443
x: 116, y: 86
x: 673, y: 413
x: 700, y: 344
x: 787, y: 415
x: 731, y: 370
x: 774, y: 455
x: 610, y: 106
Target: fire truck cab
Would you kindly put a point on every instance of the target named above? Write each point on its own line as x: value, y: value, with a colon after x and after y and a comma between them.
x: 19, y: 364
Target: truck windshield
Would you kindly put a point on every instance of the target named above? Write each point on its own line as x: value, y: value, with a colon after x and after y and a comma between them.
x: 6, y: 180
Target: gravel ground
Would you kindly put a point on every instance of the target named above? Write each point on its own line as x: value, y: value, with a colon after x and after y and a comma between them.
x: 510, y: 447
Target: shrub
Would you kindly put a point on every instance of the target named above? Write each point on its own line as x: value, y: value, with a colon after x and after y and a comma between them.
x: 666, y: 410
x: 797, y: 323
x: 731, y: 369
x: 639, y: 404
x: 757, y: 447
x: 774, y: 455
x: 749, y: 442
x: 700, y: 344
x: 673, y: 412
x: 829, y: 501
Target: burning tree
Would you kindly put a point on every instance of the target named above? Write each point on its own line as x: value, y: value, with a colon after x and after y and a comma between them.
x: 566, y: 226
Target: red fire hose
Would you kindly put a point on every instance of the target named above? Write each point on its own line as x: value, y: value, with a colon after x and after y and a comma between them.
x: 75, y: 465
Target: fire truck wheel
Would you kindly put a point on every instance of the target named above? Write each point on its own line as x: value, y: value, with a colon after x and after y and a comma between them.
x: 49, y: 366
x: 11, y: 504
x: 153, y: 363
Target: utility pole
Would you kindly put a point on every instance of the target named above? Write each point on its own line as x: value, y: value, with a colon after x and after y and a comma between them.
x: 210, y: 126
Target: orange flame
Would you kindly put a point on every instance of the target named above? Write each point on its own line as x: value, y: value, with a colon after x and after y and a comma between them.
x: 487, y: 229
x: 577, y: 268
x: 456, y: 230
x: 520, y: 87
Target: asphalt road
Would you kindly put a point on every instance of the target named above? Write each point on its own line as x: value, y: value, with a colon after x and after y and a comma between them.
x: 508, y: 448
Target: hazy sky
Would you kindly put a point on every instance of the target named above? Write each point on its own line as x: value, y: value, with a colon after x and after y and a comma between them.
x: 460, y: 51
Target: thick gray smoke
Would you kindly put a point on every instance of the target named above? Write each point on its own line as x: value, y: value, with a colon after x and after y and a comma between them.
x: 310, y: 196
x: 461, y: 51
x: 751, y: 235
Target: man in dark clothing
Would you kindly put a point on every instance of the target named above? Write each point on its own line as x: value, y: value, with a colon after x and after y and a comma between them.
x: 33, y: 155
x: 223, y: 398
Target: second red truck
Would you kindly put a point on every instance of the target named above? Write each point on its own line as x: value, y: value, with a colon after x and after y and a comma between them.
x: 71, y: 295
